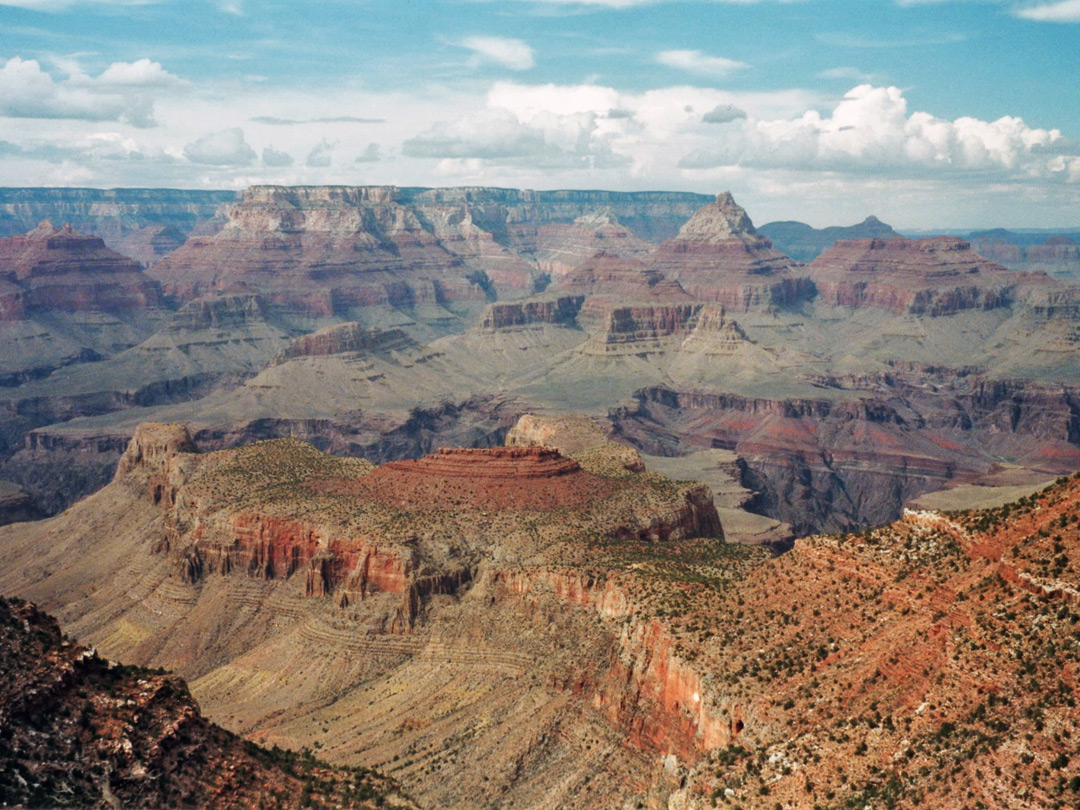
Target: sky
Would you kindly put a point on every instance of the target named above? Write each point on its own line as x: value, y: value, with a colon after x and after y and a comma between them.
x: 925, y: 113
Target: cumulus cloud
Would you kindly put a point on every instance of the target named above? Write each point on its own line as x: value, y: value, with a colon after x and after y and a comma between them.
x: 509, y: 53
x: 723, y: 114
x: 372, y: 154
x: 224, y: 148
x: 871, y: 129
x: 140, y: 73
x: 320, y: 156
x: 121, y: 93
x: 272, y: 157
x: 548, y: 141
x: 697, y: 62
x: 1065, y: 11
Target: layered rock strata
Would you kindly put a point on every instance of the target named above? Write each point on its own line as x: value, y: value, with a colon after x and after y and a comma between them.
x: 719, y: 257
x: 559, y: 310
x: 344, y: 338
x: 938, y: 276
x: 54, y: 269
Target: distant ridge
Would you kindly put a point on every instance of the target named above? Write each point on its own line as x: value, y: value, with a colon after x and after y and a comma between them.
x: 805, y: 243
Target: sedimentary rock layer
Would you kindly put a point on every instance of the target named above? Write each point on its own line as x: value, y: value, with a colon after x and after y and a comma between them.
x: 719, y: 257
x: 54, y: 269
x: 939, y: 276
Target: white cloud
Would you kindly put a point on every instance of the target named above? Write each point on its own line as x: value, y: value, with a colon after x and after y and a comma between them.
x: 723, y: 114
x: 120, y: 93
x: 697, y: 62
x: 320, y: 156
x: 140, y: 73
x: 545, y: 140
x: 372, y: 154
x: 224, y: 148
x: 510, y: 53
x: 871, y: 130
x: 272, y: 157
x: 1062, y: 11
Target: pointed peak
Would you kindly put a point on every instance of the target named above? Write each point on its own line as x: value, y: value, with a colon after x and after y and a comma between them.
x: 719, y: 221
x: 45, y: 228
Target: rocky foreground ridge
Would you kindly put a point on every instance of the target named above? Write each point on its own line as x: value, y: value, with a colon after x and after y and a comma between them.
x: 928, y: 663
x: 82, y: 731
x: 416, y: 580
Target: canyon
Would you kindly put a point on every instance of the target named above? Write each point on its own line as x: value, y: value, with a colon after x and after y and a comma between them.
x: 488, y: 643
x: 519, y: 498
x: 428, y: 315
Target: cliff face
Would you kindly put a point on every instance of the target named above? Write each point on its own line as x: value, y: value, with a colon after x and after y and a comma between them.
x: 116, y: 215
x: 343, y: 338
x: 833, y: 463
x: 719, y: 257
x: 327, y: 250
x: 432, y: 566
x: 1058, y: 256
x: 939, y: 276
x: 54, y: 269
x: 558, y: 310
x: 565, y: 660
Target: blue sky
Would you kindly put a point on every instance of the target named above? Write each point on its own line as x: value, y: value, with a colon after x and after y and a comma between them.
x: 927, y: 113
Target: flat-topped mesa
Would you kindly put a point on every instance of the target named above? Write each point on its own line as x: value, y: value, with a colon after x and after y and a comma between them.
x: 344, y: 338
x: 938, y: 276
x: 577, y: 434
x: 719, y: 257
x: 53, y: 268
x: 556, y: 310
x: 528, y: 478
x: 635, y: 328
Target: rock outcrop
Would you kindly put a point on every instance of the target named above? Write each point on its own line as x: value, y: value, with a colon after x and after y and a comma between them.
x: 615, y: 276
x: 81, y: 731
x: 854, y: 458
x: 719, y: 257
x: 634, y: 328
x: 54, y: 269
x: 559, y: 310
x: 938, y: 276
x: 561, y: 248
x: 344, y: 338
x: 16, y: 504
